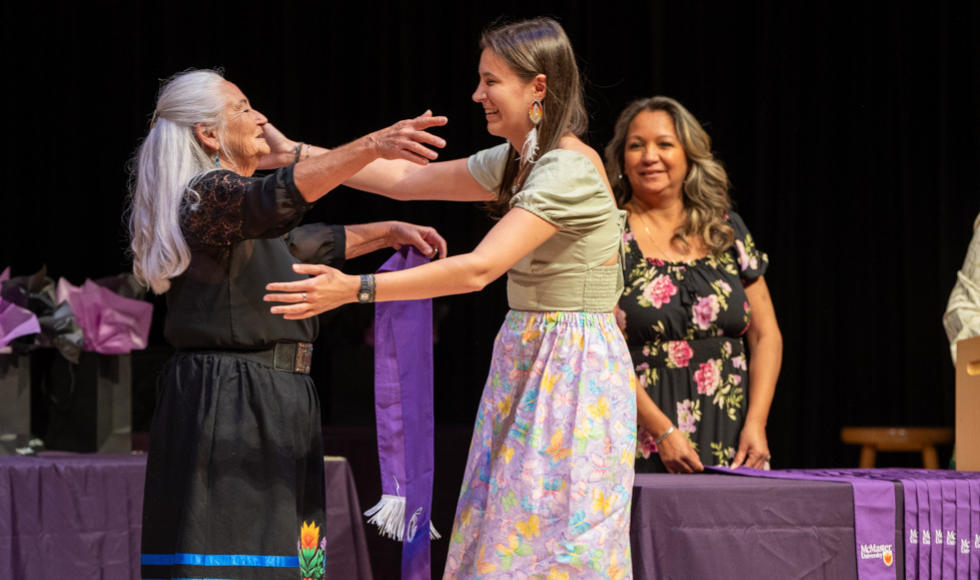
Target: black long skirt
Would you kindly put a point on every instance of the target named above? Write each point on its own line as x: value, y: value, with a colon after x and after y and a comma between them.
x: 234, y: 477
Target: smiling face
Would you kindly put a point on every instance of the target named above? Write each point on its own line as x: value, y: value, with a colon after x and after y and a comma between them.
x: 243, y: 141
x: 506, y: 98
x: 654, y: 161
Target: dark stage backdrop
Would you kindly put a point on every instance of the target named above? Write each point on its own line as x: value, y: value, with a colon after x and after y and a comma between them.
x: 850, y: 135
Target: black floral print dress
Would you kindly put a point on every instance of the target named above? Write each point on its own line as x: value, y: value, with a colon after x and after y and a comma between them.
x: 684, y: 323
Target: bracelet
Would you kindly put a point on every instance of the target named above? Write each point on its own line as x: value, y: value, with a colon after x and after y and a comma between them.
x: 296, y: 150
x: 366, y: 294
x: 664, y: 435
x: 308, y: 147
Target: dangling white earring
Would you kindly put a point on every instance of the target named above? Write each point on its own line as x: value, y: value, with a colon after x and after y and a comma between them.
x: 530, y: 148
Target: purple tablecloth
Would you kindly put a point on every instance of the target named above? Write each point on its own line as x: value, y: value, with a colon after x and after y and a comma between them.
x: 719, y: 526
x: 347, y: 553
x: 79, y: 516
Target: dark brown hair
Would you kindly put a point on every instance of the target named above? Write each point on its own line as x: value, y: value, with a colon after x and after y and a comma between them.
x: 533, y: 47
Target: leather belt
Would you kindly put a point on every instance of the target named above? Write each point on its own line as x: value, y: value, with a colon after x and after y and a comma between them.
x: 288, y: 357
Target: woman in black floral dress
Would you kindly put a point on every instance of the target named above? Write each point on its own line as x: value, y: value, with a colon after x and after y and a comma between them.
x: 695, y: 305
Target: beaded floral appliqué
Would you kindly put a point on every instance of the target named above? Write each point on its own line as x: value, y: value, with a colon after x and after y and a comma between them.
x: 311, y: 560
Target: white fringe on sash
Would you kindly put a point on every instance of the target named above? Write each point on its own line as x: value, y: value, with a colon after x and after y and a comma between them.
x: 389, y: 516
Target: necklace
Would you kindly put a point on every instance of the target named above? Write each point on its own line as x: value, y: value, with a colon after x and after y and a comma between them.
x: 653, y: 241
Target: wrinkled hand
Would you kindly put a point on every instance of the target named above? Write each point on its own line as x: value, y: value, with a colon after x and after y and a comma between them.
x: 282, y: 150
x: 753, y: 447
x: 678, y: 455
x: 407, y: 139
x: 427, y: 240
x: 327, y: 289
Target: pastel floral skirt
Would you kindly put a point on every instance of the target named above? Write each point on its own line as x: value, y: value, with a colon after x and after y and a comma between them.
x: 549, y: 478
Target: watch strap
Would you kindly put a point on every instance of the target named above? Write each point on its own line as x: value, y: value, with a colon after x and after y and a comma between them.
x: 366, y: 294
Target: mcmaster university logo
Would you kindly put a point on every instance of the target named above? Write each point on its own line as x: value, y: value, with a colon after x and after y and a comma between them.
x: 881, y: 552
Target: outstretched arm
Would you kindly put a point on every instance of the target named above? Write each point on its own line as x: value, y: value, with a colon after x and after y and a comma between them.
x: 407, y: 178
x: 514, y: 237
x: 398, y: 179
x: 405, y: 141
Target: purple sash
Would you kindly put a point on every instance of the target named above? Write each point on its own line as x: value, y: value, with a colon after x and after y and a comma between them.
x: 962, y: 529
x: 936, y: 527
x: 974, y: 538
x: 911, y: 530
x: 949, y: 528
x: 925, y: 531
x: 403, y: 402
x: 874, y: 516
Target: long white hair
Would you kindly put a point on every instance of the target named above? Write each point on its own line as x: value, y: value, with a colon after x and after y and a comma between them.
x: 162, y: 171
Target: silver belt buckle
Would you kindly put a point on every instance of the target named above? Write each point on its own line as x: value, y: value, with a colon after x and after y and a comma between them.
x: 304, y: 356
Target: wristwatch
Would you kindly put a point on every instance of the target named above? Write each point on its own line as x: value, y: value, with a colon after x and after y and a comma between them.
x: 366, y: 294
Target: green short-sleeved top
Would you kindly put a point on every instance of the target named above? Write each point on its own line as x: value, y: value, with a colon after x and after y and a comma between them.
x: 566, y: 272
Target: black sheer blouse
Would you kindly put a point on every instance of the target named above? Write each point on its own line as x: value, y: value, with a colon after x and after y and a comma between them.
x: 243, y: 234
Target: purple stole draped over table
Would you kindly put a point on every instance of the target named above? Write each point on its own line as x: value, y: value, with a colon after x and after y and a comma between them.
x: 403, y: 402
x: 942, y: 519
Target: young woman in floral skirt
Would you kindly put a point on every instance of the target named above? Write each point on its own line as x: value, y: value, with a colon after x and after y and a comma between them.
x: 550, y: 472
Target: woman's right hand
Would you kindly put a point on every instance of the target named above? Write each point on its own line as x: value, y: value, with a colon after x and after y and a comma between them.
x: 678, y: 455
x: 674, y: 449
x: 408, y: 139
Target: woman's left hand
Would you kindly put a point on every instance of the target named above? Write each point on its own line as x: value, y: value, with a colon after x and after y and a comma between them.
x: 327, y: 289
x: 753, y: 447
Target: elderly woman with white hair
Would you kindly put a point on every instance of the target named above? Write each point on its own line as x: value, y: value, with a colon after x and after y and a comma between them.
x: 234, y: 480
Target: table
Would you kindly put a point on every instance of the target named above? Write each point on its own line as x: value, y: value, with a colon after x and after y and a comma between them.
x: 721, y: 526
x: 79, y: 516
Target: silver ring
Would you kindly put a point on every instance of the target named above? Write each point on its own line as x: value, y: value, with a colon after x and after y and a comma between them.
x: 304, y: 296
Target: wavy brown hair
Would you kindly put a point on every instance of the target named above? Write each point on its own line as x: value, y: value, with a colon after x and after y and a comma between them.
x: 533, y: 47
x: 705, y: 187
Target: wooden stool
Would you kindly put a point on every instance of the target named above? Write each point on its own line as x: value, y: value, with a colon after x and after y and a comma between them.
x: 874, y: 439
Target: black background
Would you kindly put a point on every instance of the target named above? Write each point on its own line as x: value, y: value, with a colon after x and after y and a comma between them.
x: 849, y: 132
